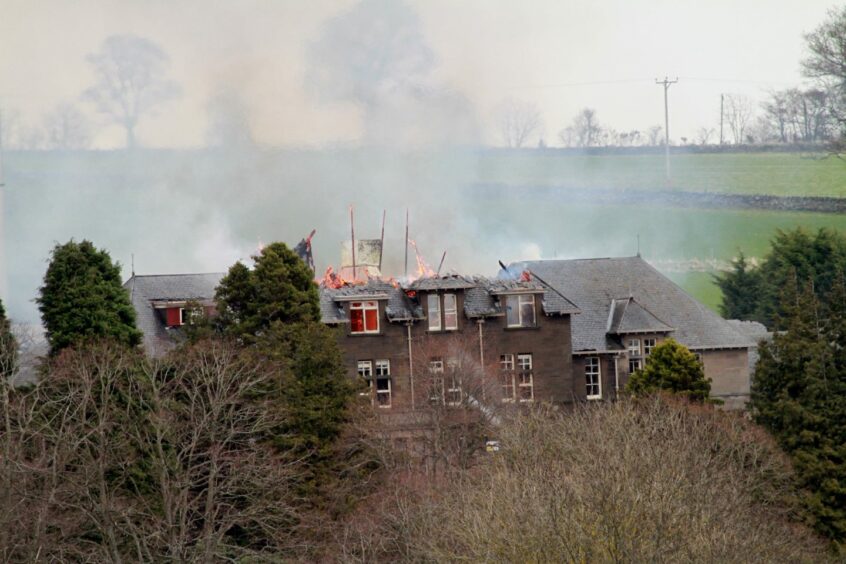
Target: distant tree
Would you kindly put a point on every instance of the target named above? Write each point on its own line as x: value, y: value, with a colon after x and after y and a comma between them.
x: 703, y: 136
x: 518, y: 121
x: 130, y: 81
x: 586, y: 128
x: 671, y: 367
x: 738, y: 112
x: 229, y: 121
x: 567, y: 136
x: 655, y: 135
x: 82, y: 298
x: 740, y: 288
x: 67, y: 128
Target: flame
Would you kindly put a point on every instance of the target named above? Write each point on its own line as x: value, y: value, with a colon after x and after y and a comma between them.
x: 331, y: 279
x: 525, y: 276
x: 423, y: 269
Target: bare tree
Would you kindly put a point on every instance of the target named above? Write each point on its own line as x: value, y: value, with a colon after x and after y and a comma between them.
x: 665, y: 483
x: 67, y: 128
x: 703, y: 136
x: 567, y: 136
x: 130, y: 81
x: 739, y: 113
x: 518, y: 121
x: 586, y: 128
x: 655, y: 135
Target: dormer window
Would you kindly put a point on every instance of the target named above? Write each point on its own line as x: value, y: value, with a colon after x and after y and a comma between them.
x: 520, y: 310
x: 449, y: 320
x: 434, y: 310
x: 364, y: 317
x: 450, y: 312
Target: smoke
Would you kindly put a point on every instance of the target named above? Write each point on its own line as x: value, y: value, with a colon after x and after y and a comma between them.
x: 375, y: 57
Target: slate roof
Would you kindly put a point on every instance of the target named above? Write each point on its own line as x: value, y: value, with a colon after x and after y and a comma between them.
x: 627, y: 316
x: 449, y: 282
x: 593, y: 284
x: 145, y: 289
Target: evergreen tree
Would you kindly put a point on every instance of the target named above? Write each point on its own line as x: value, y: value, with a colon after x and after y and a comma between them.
x: 740, y: 287
x: 671, y: 367
x: 799, y: 394
x: 8, y: 347
x: 273, y: 309
x: 279, y: 288
x: 82, y: 298
x: 755, y: 293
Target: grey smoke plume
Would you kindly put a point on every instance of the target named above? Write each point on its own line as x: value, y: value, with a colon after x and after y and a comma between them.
x: 375, y: 56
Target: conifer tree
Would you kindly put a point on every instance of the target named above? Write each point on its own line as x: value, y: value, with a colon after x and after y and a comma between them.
x: 8, y: 347
x: 273, y: 309
x: 671, y: 367
x: 82, y: 298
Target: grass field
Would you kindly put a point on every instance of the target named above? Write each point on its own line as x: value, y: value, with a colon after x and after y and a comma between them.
x: 781, y: 174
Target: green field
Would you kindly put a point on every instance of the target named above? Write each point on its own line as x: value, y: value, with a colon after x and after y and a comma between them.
x: 781, y: 174
x: 178, y: 211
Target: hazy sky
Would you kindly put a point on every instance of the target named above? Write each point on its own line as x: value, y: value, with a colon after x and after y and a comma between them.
x: 560, y: 55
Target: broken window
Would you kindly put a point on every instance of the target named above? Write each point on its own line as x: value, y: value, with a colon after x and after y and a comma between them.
x: 648, y: 345
x: 593, y: 375
x: 506, y: 365
x: 364, y: 317
x: 520, y: 310
x: 365, y: 370
x: 383, y: 383
x: 634, y: 347
x: 450, y: 312
x: 525, y: 383
x: 434, y: 310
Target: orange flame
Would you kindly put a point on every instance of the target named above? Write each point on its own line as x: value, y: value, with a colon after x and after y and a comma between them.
x: 423, y: 269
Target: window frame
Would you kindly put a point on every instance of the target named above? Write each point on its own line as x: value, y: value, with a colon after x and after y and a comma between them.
x: 634, y: 350
x: 382, y: 371
x: 591, y: 363
x: 635, y: 361
x: 648, y: 345
x: 447, y: 312
x: 364, y: 306
x: 436, y: 300
x: 521, y: 372
x: 519, y: 299
x: 506, y: 378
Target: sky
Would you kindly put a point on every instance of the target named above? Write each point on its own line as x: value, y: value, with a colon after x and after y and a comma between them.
x: 561, y: 56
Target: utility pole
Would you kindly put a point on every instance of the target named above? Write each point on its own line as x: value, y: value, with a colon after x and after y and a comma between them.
x: 666, y: 83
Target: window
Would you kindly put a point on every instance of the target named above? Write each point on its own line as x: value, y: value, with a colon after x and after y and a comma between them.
x: 634, y: 347
x: 184, y: 315
x: 434, y: 310
x: 634, y: 365
x: 453, y: 391
x: 364, y: 317
x: 436, y: 391
x: 365, y: 370
x: 383, y: 383
x: 520, y: 310
x: 525, y: 384
x: 648, y: 345
x: 593, y: 378
x: 506, y: 377
x: 450, y: 312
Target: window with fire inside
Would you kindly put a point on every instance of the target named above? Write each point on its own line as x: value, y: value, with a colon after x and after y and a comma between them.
x: 364, y: 317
